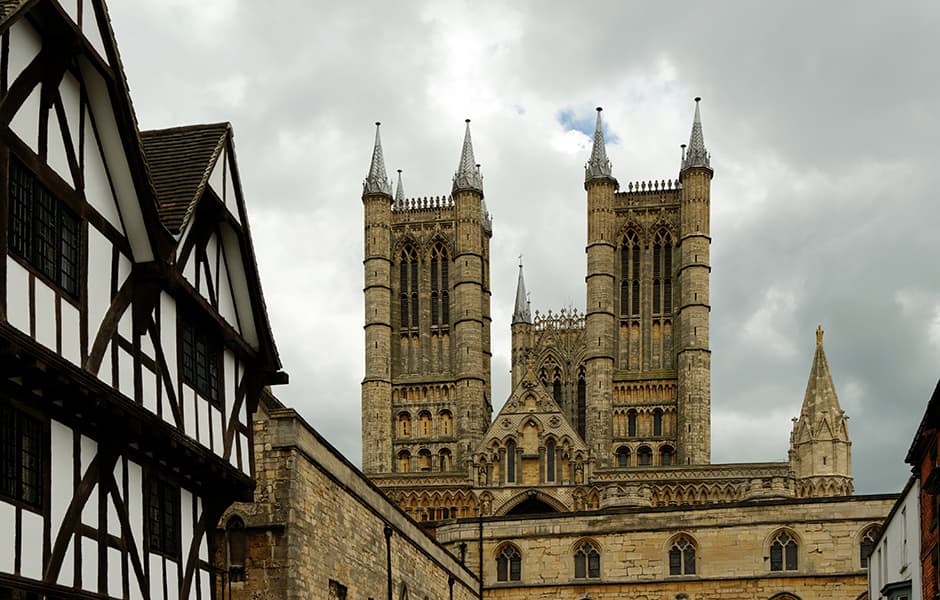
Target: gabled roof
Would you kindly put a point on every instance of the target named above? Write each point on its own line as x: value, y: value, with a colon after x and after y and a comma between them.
x: 181, y: 160
x: 930, y: 421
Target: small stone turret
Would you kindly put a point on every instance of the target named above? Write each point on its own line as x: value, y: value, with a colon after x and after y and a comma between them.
x: 820, y: 449
x: 521, y: 330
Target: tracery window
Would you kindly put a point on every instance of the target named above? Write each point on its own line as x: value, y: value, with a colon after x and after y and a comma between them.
x: 867, y: 545
x: 509, y: 564
x: 631, y: 423
x: 587, y: 562
x: 682, y: 557
x: 662, y: 273
x: 582, y: 403
x: 511, y: 462
x: 440, y: 285
x: 21, y: 456
x: 623, y: 456
x: 43, y: 231
x: 658, y: 422
x: 556, y: 387
x: 644, y: 456
x: 783, y: 553
x: 630, y: 275
x: 408, y: 287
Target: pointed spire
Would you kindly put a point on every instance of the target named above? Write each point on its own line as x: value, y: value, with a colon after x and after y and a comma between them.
x: 376, y: 181
x: 399, y: 191
x: 468, y: 175
x: 695, y: 154
x: 521, y: 314
x: 820, y: 402
x: 598, y: 166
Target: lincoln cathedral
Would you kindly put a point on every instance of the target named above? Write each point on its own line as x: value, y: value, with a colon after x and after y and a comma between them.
x: 144, y: 453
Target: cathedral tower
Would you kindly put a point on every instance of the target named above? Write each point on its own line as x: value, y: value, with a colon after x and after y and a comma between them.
x: 599, y: 314
x: 693, y: 358
x: 426, y: 393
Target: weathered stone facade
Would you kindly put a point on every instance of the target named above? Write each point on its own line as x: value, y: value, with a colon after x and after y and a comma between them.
x: 319, y: 529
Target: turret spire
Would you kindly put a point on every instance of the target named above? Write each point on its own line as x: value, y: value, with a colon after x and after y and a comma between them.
x: 521, y: 314
x: 695, y: 154
x: 598, y: 166
x: 820, y: 401
x: 376, y: 181
x: 399, y: 191
x: 468, y: 175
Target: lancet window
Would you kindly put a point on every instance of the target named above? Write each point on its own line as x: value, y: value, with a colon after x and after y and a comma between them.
x: 630, y: 275
x: 783, y: 553
x: 440, y: 285
x: 582, y: 403
x: 658, y: 422
x: 631, y: 423
x: 509, y: 564
x: 511, y: 462
x: 867, y: 545
x: 587, y: 562
x: 662, y: 273
x: 550, y: 460
x: 682, y: 557
x: 556, y: 386
x: 408, y: 288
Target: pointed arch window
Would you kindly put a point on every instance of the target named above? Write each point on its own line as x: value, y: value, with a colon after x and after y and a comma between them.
x: 550, y: 460
x: 511, y: 461
x: 587, y: 562
x: 630, y: 275
x: 556, y: 386
x: 623, y: 456
x: 582, y: 404
x: 682, y: 557
x: 440, y: 284
x: 408, y: 287
x: 236, y: 547
x: 631, y: 423
x: 783, y: 553
x: 509, y: 564
x: 867, y: 545
x: 658, y: 422
x: 662, y: 273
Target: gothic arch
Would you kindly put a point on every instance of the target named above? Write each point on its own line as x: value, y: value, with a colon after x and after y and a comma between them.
x: 529, y: 495
x: 784, y: 596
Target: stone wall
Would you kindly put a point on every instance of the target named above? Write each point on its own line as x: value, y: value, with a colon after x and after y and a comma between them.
x: 732, y: 550
x: 319, y: 529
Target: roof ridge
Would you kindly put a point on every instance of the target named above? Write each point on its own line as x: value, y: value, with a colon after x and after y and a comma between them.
x: 186, y: 128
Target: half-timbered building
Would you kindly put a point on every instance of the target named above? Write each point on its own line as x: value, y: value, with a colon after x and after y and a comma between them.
x: 134, y: 341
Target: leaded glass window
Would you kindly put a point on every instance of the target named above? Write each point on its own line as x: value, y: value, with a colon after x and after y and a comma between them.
x: 783, y: 553
x: 587, y: 562
x: 21, y: 456
x: 682, y: 557
x: 509, y: 564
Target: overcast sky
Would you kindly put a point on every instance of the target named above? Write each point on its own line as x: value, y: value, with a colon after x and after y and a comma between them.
x: 821, y: 118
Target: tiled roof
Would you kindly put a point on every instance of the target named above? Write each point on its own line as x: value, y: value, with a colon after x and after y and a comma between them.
x: 180, y: 161
x: 8, y: 7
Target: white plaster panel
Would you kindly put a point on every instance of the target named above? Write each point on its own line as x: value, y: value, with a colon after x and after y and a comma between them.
x: 99, y: 282
x: 67, y: 572
x: 126, y: 373
x: 55, y: 150
x: 70, y: 92
x: 218, y: 443
x: 186, y: 520
x: 233, y: 455
x: 45, y: 315
x: 91, y: 30
x: 7, y: 523
x: 25, y: 123
x: 17, y: 296
x: 168, y: 333
x: 25, y: 44
x: 216, y: 179
x: 240, y: 291
x: 188, y: 401
x: 135, y: 504
x: 89, y: 449
x: 243, y: 409
x: 156, y: 577
x: 97, y: 189
x: 226, y: 299
x: 126, y: 324
x: 189, y: 269
x: 172, y: 581
x: 149, y: 387
x: 204, y: 421
x: 71, y: 9
x: 89, y: 564
x: 62, y: 487
x: 124, y: 269
x: 113, y: 151
x: 246, y: 460
x: 204, y: 584
x: 136, y: 587
x: 146, y: 346
x: 231, y: 198
x: 228, y: 372
x: 31, y: 545
x: 115, y: 573
x: 114, y: 523
x: 71, y: 334
x: 167, y: 410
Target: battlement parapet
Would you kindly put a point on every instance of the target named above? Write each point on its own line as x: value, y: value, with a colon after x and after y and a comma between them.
x: 566, y: 318
x: 423, y: 204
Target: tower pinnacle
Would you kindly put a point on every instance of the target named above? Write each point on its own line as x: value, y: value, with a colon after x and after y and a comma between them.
x: 521, y: 313
x: 468, y: 175
x: 598, y: 166
x: 376, y: 181
x: 695, y: 154
x: 399, y: 191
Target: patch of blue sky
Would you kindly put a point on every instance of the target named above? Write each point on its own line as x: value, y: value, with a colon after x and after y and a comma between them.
x: 584, y: 122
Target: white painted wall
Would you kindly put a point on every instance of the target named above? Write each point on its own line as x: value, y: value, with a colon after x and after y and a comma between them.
x: 897, y: 556
x: 17, y: 296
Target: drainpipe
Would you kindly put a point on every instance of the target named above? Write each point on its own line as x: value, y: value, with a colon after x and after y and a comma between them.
x: 480, y: 544
x: 388, y: 559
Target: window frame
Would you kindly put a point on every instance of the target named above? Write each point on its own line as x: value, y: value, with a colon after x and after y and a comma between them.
x: 22, y: 426
x: 164, y: 519
x: 682, y: 557
x: 784, y: 555
x: 587, y: 561
x: 206, y: 378
x: 509, y: 564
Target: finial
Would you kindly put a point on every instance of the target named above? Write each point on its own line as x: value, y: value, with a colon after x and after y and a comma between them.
x: 696, y: 155
x: 819, y: 335
x: 376, y: 181
x: 399, y: 191
x: 598, y: 167
x: 521, y: 314
x: 468, y: 175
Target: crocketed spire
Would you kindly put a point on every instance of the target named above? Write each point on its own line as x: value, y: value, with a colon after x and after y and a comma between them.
x: 521, y: 314
x: 695, y: 154
x: 399, y: 191
x: 820, y: 402
x: 598, y: 166
x: 468, y: 171
x: 376, y: 181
